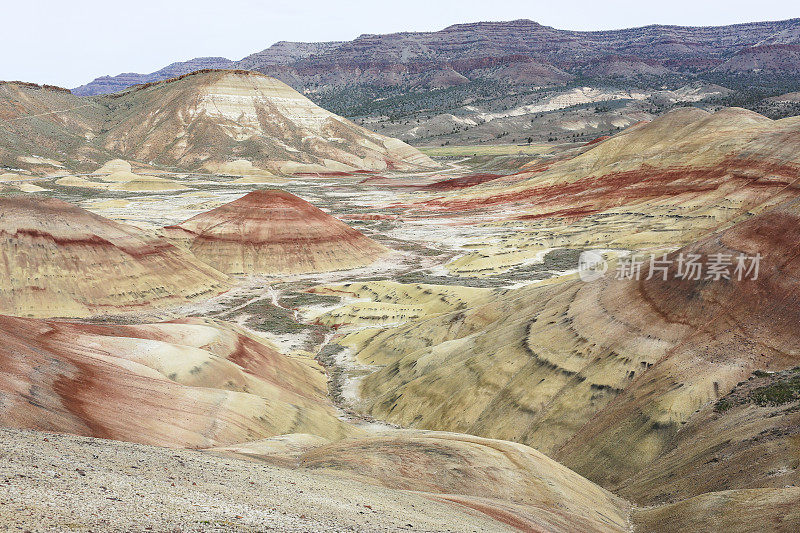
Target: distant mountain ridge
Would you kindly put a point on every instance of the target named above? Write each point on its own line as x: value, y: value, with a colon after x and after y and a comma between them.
x: 113, y: 84
x: 494, y: 50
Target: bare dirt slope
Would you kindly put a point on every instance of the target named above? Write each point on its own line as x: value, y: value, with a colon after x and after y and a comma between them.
x: 51, y: 482
x: 64, y: 483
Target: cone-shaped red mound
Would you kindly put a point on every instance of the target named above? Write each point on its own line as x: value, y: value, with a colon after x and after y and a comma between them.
x: 61, y: 260
x: 274, y: 232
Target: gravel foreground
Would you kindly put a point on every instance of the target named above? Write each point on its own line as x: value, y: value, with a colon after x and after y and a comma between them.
x: 51, y: 482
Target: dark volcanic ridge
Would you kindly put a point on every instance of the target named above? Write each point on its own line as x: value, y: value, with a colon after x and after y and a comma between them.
x: 520, y: 51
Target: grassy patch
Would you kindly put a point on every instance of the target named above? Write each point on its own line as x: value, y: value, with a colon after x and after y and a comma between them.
x: 429, y: 279
x: 778, y: 393
x: 484, y: 149
x: 558, y: 260
x: 723, y: 405
x: 294, y: 300
x: 267, y: 317
x: 263, y: 316
x: 765, y: 389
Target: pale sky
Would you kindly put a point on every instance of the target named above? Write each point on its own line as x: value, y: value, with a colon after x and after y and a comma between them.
x: 69, y: 43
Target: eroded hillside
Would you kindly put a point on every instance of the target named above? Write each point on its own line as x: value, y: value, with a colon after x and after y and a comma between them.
x: 421, y: 335
x: 199, y: 121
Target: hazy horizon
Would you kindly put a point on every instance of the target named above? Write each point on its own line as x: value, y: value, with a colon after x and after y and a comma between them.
x: 78, y: 42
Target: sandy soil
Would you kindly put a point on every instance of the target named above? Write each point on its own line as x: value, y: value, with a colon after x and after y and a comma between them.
x: 54, y: 482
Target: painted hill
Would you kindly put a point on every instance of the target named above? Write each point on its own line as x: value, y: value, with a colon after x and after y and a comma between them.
x: 655, y: 389
x: 274, y: 232
x: 61, y: 260
x: 577, y: 369
x: 216, y: 116
x: 181, y: 384
x: 715, y: 335
x: 686, y: 173
x: 37, y: 133
x: 740, y: 357
x: 199, y: 121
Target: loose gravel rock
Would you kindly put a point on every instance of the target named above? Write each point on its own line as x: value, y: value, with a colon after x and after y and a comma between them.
x: 52, y: 482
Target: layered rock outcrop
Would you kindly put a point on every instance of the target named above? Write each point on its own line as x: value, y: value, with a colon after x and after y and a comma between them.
x: 274, y: 232
x: 199, y: 121
x: 63, y: 261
